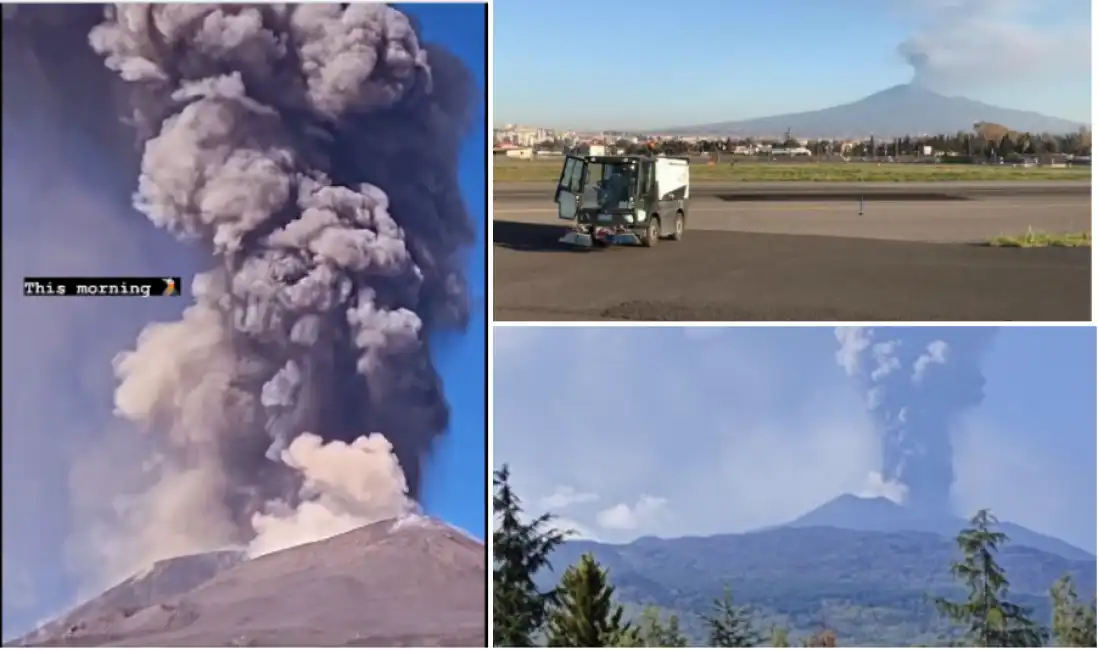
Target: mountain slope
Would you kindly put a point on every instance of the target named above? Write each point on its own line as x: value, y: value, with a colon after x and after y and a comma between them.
x: 871, y: 587
x: 880, y: 514
x: 901, y: 110
x: 164, y: 580
x: 413, y: 581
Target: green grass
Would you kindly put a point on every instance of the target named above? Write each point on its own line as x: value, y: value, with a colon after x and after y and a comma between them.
x: 548, y: 171
x: 1034, y: 239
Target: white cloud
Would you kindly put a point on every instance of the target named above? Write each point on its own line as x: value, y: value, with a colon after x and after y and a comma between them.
x: 646, y: 511
x: 575, y: 529
x: 571, y: 528
x: 877, y: 486
x: 935, y: 354
x: 884, y: 353
x: 565, y: 496
x: 852, y: 342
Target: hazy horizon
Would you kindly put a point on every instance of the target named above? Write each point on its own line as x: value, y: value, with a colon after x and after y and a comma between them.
x: 1032, y: 56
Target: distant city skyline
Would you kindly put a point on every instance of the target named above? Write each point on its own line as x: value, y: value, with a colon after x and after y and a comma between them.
x: 742, y: 60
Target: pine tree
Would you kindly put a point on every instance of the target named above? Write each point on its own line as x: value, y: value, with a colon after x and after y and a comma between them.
x: 730, y: 626
x: 519, y: 551
x: 585, y: 614
x: 989, y: 619
x: 1073, y: 623
x: 652, y: 633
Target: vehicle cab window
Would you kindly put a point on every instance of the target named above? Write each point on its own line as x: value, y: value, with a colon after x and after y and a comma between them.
x: 645, y: 179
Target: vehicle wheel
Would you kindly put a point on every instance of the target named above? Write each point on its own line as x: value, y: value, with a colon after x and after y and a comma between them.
x: 680, y: 226
x: 651, y: 233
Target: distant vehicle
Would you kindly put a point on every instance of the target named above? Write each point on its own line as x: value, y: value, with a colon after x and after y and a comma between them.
x: 623, y: 199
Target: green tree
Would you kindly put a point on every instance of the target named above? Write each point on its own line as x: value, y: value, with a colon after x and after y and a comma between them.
x: 730, y: 626
x: 519, y: 551
x: 988, y: 618
x: 1073, y: 622
x: 585, y: 614
x: 653, y: 633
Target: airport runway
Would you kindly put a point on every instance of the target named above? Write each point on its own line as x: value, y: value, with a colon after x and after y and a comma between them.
x: 773, y: 190
x: 770, y: 251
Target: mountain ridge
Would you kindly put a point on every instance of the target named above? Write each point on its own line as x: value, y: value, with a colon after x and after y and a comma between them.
x: 164, y: 580
x: 905, y: 109
x: 409, y: 581
x: 850, y: 512
x: 871, y: 588
x: 828, y: 567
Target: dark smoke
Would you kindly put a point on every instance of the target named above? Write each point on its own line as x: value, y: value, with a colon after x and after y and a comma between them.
x: 918, y: 381
x: 312, y: 151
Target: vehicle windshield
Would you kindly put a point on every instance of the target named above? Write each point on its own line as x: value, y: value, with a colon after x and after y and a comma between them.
x: 608, y: 186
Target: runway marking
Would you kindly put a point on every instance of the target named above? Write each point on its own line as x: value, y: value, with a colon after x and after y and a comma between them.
x: 847, y: 207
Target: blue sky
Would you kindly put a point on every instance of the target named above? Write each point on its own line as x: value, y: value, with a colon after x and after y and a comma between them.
x: 733, y: 429
x: 700, y: 61
x: 454, y: 489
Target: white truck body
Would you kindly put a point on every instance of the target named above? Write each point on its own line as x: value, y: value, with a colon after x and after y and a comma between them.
x: 672, y: 174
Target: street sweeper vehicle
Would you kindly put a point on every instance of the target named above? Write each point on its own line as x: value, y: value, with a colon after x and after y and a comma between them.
x: 623, y: 199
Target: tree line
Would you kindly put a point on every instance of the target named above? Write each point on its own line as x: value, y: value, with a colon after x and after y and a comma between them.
x: 580, y: 611
x: 980, y: 144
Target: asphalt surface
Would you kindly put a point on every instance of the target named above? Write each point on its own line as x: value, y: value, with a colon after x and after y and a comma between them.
x: 840, y: 252
x: 771, y: 191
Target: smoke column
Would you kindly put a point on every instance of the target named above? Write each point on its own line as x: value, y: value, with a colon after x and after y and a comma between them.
x: 310, y: 151
x: 917, y: 382
x: 965, y: 43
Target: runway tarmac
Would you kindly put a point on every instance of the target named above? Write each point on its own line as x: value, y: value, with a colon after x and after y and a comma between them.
x: 780, y: 190
x: 770, y: 251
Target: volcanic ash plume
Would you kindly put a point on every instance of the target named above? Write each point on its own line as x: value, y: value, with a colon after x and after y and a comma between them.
x: 313, y: 150
x: 966, y: 43
x: 917, y: 382
x: 345, y: 487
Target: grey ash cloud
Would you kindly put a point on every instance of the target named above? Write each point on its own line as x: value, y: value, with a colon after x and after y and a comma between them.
x: 306, y: 157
